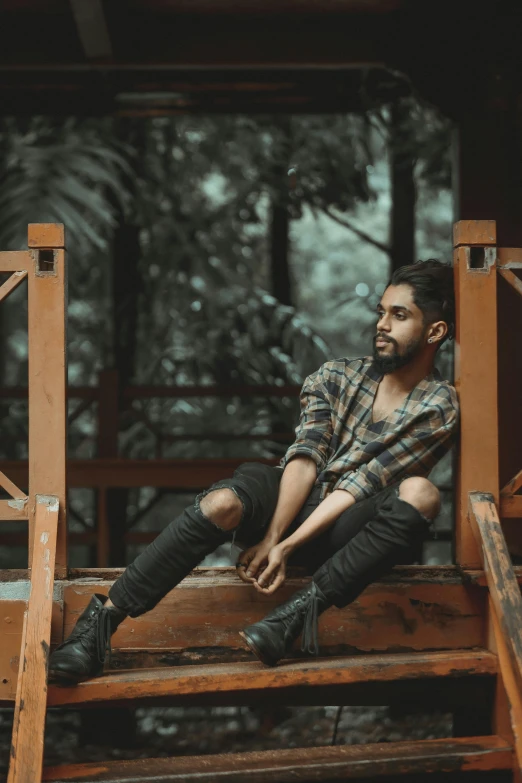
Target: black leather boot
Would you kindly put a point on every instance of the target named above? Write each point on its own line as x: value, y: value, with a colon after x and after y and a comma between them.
x: 272, y: 638
x: 83, y: 654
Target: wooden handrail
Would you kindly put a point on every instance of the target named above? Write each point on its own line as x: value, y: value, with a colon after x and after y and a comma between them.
x: 505, y: 602
x: 151, y: 392
x: 27, y: 743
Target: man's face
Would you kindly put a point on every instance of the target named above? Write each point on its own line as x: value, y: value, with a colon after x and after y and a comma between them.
x: 400, y: 332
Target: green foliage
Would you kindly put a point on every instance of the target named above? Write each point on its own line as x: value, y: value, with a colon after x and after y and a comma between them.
x: 200, y: 189
x: 58, y: 172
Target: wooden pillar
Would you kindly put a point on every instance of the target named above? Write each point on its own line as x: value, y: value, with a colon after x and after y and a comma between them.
x: 475, y: 374
x: 490, y: 186
x: 48, y: 378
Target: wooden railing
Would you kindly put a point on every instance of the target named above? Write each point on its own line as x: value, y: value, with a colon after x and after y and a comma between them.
x: 505, y: 607
x: 43, y: 267
x: 109, y: 470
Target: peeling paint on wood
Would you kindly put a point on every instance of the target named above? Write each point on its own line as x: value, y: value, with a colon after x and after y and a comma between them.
x: 19, y: 504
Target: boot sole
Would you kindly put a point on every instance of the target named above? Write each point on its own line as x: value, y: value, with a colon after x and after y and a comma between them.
x: 257, y: 652
x: 63, y: 679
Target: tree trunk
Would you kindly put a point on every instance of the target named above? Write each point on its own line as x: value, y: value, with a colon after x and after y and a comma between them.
x: 126, y: 288
x: 280, y: 222
x: 125, y: 292
x: 279, y: 249
x: 402, y: 162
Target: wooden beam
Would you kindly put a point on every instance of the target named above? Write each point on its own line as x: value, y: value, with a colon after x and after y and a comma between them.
x: 11, y: 488
x: 412, y: 609
x: 90, y: 393
x: 510, y: 684
x: 511, y: 507
x: 512, y: 279
x: 47, y: 378
x: 430, y: 610
x: 476, y: 754
x: 12, y: 283
x: 501, y: 579
x: 475, y: 375
x: 92, y: 28
x: 238, y: 677
x: 31, y: 704
x: 513, y: 485
x: 509, y: 258
x: 15, y: 261
x: 14, y: 511
x: 176, y: 474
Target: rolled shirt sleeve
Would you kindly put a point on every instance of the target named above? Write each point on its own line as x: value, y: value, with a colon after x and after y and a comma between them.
x: 413, y: 453
x: 314, y: 431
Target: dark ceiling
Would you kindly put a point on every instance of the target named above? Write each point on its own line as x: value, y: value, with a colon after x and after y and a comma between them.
x: 169, y: 56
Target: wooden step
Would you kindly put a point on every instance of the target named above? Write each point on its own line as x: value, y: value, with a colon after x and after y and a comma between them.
x: 471, y: 754
x: 235, y: 678
x: 412, y: 610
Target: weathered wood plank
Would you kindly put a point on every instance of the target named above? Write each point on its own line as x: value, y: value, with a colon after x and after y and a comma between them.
x: 502, y: 583
x: 475, y: 379
x: 302, y: 764
x: 29, y: 725
x: 11, y: 638
x: 207, y: 612
x: 413, y: 608
x: 505, y: 609
x: 512, y: 689
x: 238, y: 677
x: 13, y: 603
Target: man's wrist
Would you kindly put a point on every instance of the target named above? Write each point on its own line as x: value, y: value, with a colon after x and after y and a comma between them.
x: 287, y: 547
x: 272, y: 537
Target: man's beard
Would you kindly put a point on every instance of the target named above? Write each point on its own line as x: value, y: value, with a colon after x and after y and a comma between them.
x: 385, y: 364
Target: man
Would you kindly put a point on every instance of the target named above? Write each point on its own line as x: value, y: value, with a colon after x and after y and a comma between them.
x: 350, y: 499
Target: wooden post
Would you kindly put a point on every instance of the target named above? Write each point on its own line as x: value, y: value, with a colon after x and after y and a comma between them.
x: 475, y: 373
x: 504, y: 636
x: 27, y: 743
x: 47, y: 378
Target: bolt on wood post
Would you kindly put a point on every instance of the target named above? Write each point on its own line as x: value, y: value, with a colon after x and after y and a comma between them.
x: 475, y: 374
x: 47, y: 291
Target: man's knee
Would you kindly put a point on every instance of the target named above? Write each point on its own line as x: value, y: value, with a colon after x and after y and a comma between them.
x: 422, y: 494
x: 223, y: 508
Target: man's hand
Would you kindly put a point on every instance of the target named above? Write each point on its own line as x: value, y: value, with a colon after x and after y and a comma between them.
x: 274, y: 575
x: 252, y: 560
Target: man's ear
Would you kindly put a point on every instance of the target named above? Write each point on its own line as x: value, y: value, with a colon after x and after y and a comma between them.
x: 437, y: 332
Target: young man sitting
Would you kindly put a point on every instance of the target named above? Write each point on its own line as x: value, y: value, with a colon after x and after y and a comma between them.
x: 350, y: 499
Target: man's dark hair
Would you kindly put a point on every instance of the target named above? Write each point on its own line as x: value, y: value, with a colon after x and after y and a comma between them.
x: 433, y: 292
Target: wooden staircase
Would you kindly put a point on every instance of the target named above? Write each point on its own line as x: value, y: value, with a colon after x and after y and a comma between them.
x: 473, y: 755
x: 445, y: 636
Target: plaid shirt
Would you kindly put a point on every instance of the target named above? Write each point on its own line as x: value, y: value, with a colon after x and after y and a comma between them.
x: 355, y: 454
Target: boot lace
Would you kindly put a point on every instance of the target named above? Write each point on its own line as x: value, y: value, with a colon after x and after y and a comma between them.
x: 103, y: 637
x: 306, y: 604
x: 310, y: 637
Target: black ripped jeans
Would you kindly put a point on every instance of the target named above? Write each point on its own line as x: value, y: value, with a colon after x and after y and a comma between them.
x: 364, y: 543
